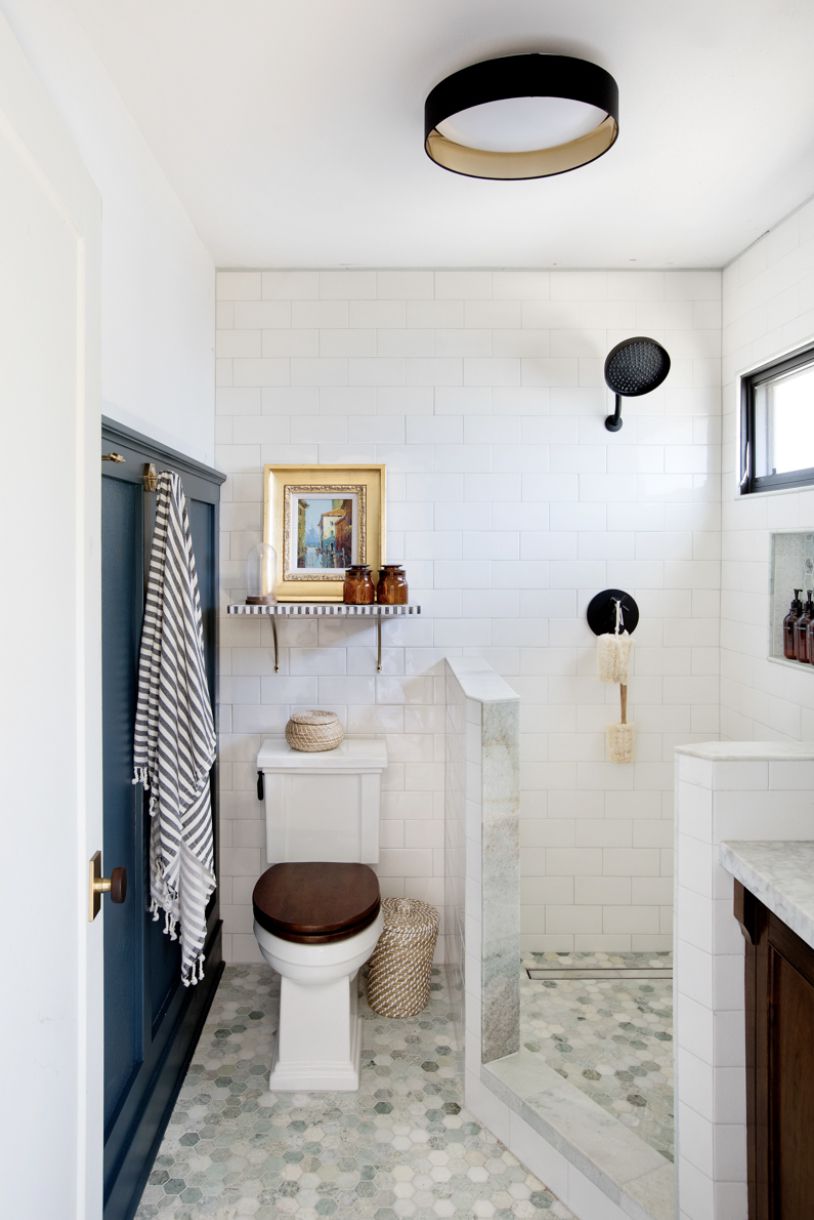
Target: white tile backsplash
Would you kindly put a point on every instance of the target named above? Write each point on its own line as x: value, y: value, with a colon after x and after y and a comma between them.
x: 511, y: 506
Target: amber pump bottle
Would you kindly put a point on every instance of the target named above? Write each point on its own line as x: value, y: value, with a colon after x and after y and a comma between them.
x: 789, y: 623
x: 801, y: 629
x: 811, y: 642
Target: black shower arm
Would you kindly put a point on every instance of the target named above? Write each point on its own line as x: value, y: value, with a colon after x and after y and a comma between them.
x: 614, y: 422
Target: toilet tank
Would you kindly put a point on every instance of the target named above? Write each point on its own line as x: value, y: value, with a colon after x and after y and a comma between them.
x: 322, y: 806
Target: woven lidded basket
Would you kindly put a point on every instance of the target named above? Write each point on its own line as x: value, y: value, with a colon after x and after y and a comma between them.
x: 314, y: 730
x: 398, y: 984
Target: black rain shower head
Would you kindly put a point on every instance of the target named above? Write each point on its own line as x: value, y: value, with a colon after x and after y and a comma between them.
x: 635, y: 366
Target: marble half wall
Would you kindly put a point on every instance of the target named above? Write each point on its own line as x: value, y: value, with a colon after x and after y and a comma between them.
x: 500, y: 879
x: 483, y: 856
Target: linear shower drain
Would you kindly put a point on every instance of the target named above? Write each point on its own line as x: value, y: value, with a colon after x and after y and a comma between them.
x: 557, y: 973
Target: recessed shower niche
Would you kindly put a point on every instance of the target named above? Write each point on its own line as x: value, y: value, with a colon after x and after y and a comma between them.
x: 792, y: 576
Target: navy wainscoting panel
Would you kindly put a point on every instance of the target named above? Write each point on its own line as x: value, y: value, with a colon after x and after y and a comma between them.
x: 152, y: 1022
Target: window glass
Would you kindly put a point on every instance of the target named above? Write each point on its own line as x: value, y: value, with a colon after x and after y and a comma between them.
x: 778, y: 424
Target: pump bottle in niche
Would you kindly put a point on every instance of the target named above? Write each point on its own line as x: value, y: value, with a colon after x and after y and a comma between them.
x: 810, y: 641
x: 789, y: 623
x: 801, y: 629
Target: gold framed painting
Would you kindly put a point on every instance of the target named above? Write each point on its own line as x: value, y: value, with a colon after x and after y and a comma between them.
x: 319, y: 520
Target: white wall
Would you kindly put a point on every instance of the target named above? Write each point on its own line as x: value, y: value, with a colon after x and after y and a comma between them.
x: 511, y: 505
x: 157, y: 276
x: 768, y: 309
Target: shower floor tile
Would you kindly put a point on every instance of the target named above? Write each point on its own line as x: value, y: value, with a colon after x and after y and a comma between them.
x: 400, y: 1147
x: 611, y: 1037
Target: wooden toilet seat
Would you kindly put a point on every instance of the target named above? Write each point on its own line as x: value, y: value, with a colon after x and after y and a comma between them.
x: 316, y: 903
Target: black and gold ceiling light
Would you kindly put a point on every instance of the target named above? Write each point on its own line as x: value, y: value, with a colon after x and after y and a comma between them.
x: 522, y: 116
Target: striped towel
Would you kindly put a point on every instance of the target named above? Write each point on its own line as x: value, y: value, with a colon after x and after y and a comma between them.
x: 174, y: 746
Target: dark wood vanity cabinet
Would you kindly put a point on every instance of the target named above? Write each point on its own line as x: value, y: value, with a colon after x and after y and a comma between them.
x: 779, y: 981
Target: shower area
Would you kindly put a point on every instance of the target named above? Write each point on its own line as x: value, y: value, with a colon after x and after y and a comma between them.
x: 604, y: 1022
x: 569, y: 1052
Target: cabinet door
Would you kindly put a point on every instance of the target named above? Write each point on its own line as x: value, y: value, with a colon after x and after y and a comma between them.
x: 790, y: 1022
x: 779, y: 1066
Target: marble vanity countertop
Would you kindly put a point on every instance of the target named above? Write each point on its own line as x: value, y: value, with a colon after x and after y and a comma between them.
x: 781, y: 875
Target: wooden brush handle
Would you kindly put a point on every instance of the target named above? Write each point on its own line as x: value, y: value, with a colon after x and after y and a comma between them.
x: 623, y: 701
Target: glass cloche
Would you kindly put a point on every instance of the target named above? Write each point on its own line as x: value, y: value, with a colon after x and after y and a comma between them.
x: 261, y: 567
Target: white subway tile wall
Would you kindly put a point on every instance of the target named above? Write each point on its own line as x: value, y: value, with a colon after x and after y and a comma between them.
x: 768, y: 309
x: 510, y: 505
x: 718, y: 799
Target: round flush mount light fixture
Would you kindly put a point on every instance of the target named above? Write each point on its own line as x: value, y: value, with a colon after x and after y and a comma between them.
x: 522, y: 116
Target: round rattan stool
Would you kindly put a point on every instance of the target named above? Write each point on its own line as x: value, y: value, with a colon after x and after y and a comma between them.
x: 398, y: 983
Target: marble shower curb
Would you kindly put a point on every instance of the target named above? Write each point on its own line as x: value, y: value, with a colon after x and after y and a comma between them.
x: 631, y: 1174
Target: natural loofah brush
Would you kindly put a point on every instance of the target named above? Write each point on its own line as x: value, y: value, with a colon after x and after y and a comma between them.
x: 613, y: 652
x: 619, y: 737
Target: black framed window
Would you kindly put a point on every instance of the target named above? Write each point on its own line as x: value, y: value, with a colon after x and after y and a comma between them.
x: 777, y: 424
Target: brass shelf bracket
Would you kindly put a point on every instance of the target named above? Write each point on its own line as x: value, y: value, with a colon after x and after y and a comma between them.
x: 322, y: 610
x: 276, y: 646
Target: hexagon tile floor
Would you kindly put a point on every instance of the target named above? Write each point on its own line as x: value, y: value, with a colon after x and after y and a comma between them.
x: 400, y: 1147
x: 610, y: 1037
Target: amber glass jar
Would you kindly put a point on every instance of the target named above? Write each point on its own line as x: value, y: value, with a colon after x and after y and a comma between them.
x: 358, y: 588
x: 392, y: 587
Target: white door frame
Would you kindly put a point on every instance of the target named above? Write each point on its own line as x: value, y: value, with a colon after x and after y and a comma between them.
x: 50, y: 632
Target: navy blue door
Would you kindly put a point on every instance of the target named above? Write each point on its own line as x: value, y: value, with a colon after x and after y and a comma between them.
x: 151, y: 1021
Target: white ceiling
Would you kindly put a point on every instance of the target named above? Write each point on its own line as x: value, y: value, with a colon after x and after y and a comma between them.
x: 292, y: 130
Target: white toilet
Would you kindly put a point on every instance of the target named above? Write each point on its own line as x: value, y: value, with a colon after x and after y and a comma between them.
x: 317, y: 910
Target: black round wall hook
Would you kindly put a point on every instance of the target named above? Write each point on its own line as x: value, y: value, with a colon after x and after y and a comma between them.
x: 601, y: 613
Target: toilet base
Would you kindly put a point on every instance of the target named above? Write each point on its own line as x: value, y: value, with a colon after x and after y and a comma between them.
x: 340, y: 1076
x: 317, y: 1046
x: 318, y: 1043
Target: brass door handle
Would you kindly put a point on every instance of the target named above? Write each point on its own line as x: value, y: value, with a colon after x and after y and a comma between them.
x: 115, y: 885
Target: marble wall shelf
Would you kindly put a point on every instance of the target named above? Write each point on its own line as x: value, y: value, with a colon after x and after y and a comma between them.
x: 322, y: 610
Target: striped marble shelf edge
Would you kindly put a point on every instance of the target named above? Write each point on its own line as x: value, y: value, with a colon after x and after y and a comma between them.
x: 321, y: 609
